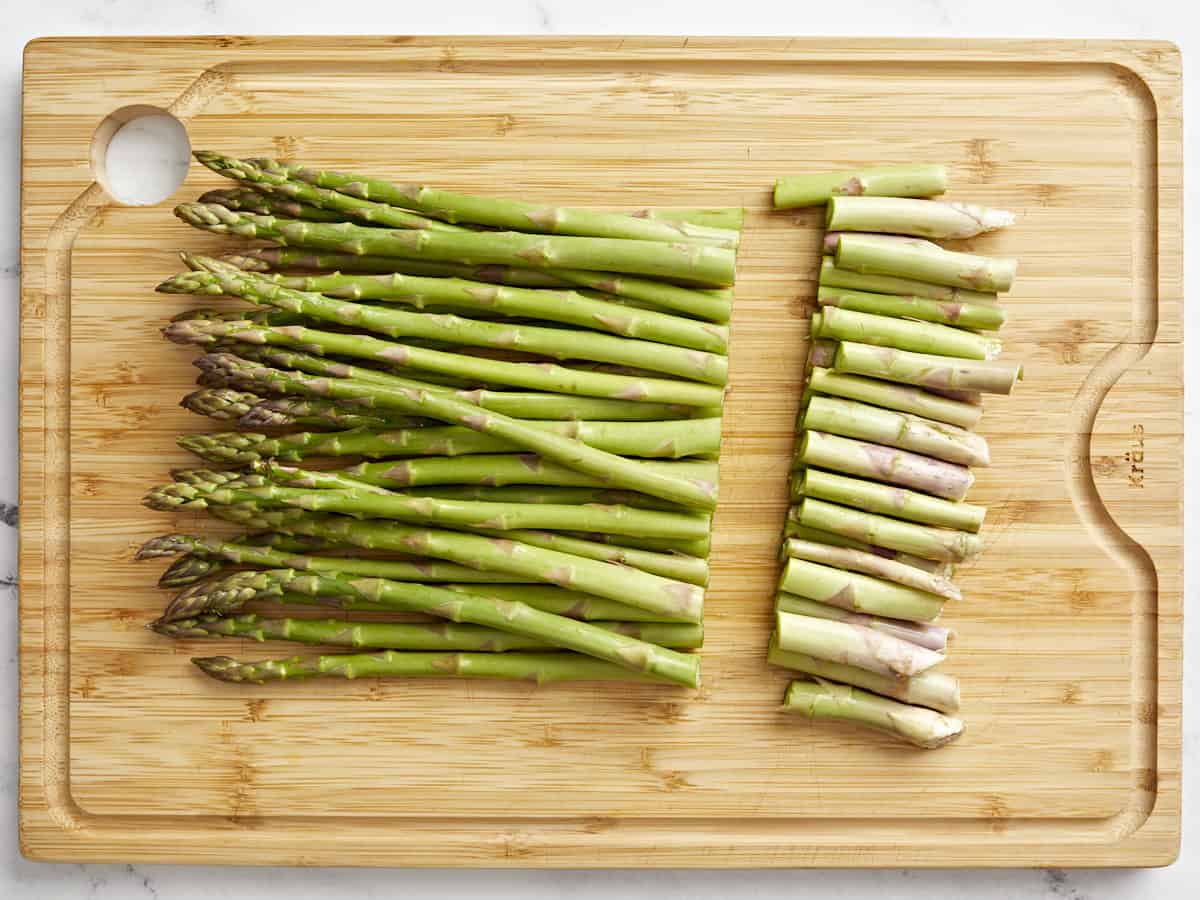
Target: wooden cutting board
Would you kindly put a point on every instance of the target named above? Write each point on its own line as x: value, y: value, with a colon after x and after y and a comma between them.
x: 1069, y: 641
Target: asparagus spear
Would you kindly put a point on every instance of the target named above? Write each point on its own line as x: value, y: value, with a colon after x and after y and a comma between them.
x: 615, y: 470
x: 869, y: 564
x: 427, y: 636
x: 261, y: 315
x: 852, y: 645
x: 984, y: 316
x: 925, y: 218
x: 933, y: 637
x: 832, y: 276
x: 876, y: 461
x: 670, y: 440
x: 882, y: 181
x: 931, y: 688
x: 699, y: 263
x: 521, y: 493
x: 858, y: 593
x: 838, y: 702
x: 793, y: 529
x: 837, y: 323
x: 710, y: 304
x: 829, y: 242
x: 512, y: 554
x: 367, y: 503
x: 927, y: 370
x: 448, y: 206
x: 906, y: 537
x: 248, y: 200
x: 276, y: 412
x: 540, y: 668
x: 889, y: 500
x: 567, y: 306
x: 852, y: 419
x: 901, y: 398
x: 224, y: 404
x: 232, y: 592
x: 859, y: 253
x: 732, y: 217
x: 552, y: 342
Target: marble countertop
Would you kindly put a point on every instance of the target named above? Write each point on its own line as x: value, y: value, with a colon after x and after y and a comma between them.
x: 1159, y: 19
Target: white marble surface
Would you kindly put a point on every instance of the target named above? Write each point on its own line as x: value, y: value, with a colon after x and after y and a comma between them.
x: 1176, y: 20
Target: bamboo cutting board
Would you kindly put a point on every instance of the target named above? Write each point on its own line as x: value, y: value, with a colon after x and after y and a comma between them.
x: 1069, y: 641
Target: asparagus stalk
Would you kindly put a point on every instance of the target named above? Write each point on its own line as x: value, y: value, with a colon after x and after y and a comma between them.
x: 869, y: 564
x: 852, y: 645
x: 901, y: 398
x: 830, y: 241
x: 448, y: 206
x: 838, y: 702
x: 984, y: 316
x: 232, y: 592
x: 670, y: 440
x: 223, y: 404
x: 793, y: 529
x: 700, y: 263
x: 933, y: 637
x: 261, y: 315
x: 713, y: 305
x: 906, y: 537
x: 521, y: 493
x: 426, y: 636
x: 276, y: 412
x: 926, y: 370
x: 245, y: 199
x: 731, y: 217
x: 540, y: 668
x: 858, y: 593
x: 552, y: 342
x: 889, y: 500
x: 876, y: 461
x: 512, y: 554
x: 860, y: 253
x: 852, y: 419
x: 925, y: 218
x: 880, y: 181
x: 688, y: 546
x: 615, y: 470
x: 839, y: 324
x: 931, y: 688
x: 567, y: 306
x: 367, y: 503
x: 832, y: 276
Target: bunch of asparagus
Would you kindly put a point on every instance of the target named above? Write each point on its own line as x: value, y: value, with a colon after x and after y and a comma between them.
x: 902, y: 349
x: 495, y: 422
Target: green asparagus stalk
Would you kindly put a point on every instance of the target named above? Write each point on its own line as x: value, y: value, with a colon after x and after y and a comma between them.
x: 984, y: 316
x: 829, y: 242
x: 232, y: 592
x: 931, y: 688
x: 838, y: 702
x: 852, y: 645
x: 869, y: 564
x: 615, y: 470
x: 540, y: 668
x: 881, y: 181
x: 699, y: 263
x: 276, y: 412
x: 839, y: 324
x: 223, y: 404
x: 426, y: 636
x: 675, y: 600
x: 857, y: 592
x: 699, y: 547
x: 670, y: 440
x: 712, y: 305
x: 886, y: 499
x: 901, y: 398
x: 793, y: 529
x: 927, y: 370
x: 538, y: 376
x: 521, y: 493
x: 552, y: 342
x: 367, y: 503
x: 245, y: 199
x: 832, y: 276
x: 567, y: 306
x: 448, y: 206
x: 572, y: 604
x: 933, y: 637
x: 261, y: 315
x: 852, y: 419
x: 866, y: 460
x: 924, y: 218
x: 859, y: 253
x: 731, y: 218
x: 905, y: 537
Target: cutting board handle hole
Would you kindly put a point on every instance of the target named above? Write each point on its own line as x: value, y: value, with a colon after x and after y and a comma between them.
x: 140, y: 155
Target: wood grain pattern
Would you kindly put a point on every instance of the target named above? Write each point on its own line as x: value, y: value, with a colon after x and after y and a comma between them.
x: 1069, y: 641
